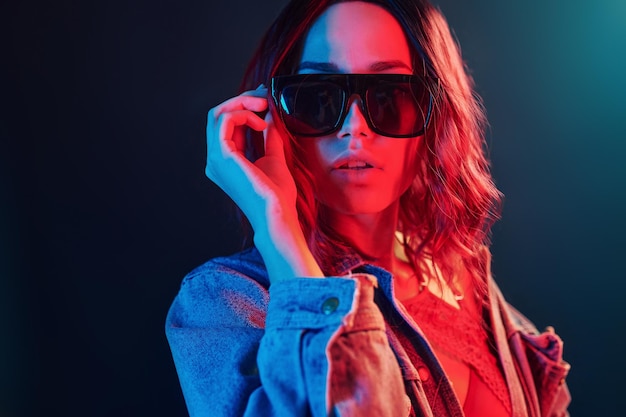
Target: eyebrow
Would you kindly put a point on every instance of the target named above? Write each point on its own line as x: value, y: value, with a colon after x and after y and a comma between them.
x: 331, y: 67
x: 318, y: 66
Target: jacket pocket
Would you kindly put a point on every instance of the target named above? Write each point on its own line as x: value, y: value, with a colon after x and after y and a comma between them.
x: 544, y: 353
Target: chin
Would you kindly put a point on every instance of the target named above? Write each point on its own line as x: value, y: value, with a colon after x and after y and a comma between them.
x: 371, y: 204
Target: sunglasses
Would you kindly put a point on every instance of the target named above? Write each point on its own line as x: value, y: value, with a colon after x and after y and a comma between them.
x: 394, y: 105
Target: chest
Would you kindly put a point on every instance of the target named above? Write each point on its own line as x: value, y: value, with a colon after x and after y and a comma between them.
x: 463, y: 347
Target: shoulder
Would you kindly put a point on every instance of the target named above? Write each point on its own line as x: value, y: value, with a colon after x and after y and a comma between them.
x: 519, y: 321
x: 223, y: 291
x: 512, y: 319
x: 247, y: 265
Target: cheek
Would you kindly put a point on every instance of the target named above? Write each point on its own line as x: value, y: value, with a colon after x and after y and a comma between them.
x: 313, y: 158
x: 316, y: 154
x: 410, y: 161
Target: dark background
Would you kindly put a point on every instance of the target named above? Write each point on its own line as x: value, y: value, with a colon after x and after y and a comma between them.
x: 104, y: 205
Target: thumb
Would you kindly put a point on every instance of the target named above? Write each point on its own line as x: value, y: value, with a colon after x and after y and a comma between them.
x: 274, y: 145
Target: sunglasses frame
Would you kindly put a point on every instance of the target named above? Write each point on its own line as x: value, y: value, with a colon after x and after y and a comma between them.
x: 351, y: 84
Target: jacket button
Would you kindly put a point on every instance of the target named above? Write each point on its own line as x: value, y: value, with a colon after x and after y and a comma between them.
x: 330, y: 305
x: 423, y: 373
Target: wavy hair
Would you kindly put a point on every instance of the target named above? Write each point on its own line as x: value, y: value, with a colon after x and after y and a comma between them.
x: 447, y: 213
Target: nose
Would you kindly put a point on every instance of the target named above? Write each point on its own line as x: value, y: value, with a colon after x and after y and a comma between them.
x: 354, y: 125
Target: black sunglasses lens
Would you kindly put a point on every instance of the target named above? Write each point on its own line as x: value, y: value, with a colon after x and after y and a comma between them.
x: 398, y: 108
x: 311, y: 108
x: 314, y: 105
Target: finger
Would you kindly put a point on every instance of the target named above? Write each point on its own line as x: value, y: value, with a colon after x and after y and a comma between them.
x: 237, y: 117
x: 274, y: 145
x: 228, y: 122
x: 260, y: 91
x: 223, y: 131
x: 226, y: 139
x: 254, y: 100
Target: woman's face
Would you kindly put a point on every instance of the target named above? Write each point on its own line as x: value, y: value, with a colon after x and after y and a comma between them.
x: 355, y: 170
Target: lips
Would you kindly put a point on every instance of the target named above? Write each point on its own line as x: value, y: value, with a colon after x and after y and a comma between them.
x: 355, y: 165
x: 354, y: 162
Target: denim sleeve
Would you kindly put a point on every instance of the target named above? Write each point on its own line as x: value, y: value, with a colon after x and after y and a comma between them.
x: 311, y: 347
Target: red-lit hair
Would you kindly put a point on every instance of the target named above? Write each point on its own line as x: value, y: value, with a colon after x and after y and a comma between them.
x: 448, y: 211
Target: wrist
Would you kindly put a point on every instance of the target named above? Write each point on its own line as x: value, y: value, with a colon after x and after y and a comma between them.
x: 285, y: 251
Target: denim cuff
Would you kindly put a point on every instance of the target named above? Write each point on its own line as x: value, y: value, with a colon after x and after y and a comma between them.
x: 315, y: 303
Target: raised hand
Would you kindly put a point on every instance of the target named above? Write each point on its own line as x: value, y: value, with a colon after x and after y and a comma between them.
x: 264, y: 190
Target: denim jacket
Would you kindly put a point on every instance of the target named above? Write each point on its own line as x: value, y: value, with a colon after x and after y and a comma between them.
x: 337, y: 346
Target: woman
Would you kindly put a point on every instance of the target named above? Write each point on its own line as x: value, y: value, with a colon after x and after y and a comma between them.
x: 358, y: 163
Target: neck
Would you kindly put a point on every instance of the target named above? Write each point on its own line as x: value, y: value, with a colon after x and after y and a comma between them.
x: 371, y: 234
